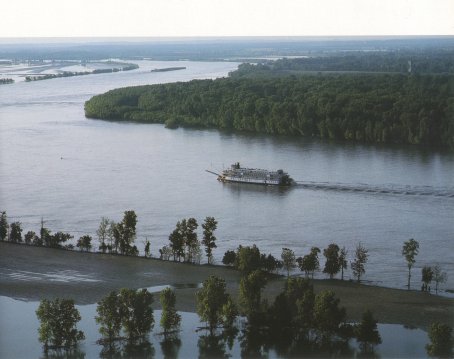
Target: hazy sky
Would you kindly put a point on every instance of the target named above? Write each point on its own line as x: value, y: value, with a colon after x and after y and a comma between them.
x: 56, y: 18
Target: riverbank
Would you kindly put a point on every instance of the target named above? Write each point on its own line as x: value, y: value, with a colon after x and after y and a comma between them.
x: 32, y: 273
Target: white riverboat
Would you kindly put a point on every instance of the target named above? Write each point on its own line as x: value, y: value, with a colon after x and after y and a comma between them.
x: 236, y: 173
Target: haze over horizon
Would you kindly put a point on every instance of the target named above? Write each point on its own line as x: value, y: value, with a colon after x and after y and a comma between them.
x: 219, y: 18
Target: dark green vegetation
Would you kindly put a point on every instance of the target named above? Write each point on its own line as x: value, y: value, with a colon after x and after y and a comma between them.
x: 441, y: 341
x: 377, y: 108
x: 6, y: 81
x: 58, y: 320
x: 167, y: 69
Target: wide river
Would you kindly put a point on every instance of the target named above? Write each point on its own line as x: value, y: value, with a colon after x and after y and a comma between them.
x: 56, y: 164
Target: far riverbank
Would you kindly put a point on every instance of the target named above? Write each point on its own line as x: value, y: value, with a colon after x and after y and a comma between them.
x: 32, y: 273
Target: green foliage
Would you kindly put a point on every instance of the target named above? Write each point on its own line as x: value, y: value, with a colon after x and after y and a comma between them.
x: 381, y: 108
x: 84, y: 243
x: 343, y: 261
x: 170, y: 319
x: 426, y: 276
x: 367, y: 333
x: 183, y: 241
x: 54, y: 241
x: 136, y: 312
x: 30, y: 237
x: 109, y: 316
x: 103, y: 232
x: 211, y: 299
x: 310, y: 262
x: 3, y: 226
x: 229, y: 258
x: 15, y: 235
x: 288, y: 260
x: 229, y: 313
x: 328, y: 316
x: 58, y: 319
x: 147, y: 248
x: 333, y: 262
x: 250, y: 295
x: 209, y: 240
x: 359, y: 262
x: 441, y: 340
x: 439, y: 277
x: 410, y: 250
x: 248, y: 259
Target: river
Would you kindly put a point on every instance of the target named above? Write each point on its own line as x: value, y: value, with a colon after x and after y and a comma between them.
x: 57, y: 165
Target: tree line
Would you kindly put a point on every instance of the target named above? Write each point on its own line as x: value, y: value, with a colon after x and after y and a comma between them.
x: 119, y: 238
x: 374, y: 108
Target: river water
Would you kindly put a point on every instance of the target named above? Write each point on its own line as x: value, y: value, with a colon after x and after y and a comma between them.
x: 56, y: 164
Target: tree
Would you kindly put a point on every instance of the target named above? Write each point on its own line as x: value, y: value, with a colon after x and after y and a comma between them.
x: 343, y: 261
x: 309, y: 263
x: 136, y: 312
x: 58, y: 319
x: 359, y: 262
x: 3, y: 226
x: 439, y: 277
x: 427, y: 276
x: 229, y: 258
x: 271, y: 264
x: 84, y: 243
x: 441, y: 340
x: 15, y: 235
x: 102, y: 233
x: 56, y: 240
x: 209, y: 240
x: 109, y: 317
x: 176, y: 240
x: 30, y: 237
x: 367, y: 333
x: 170, y: 319
x: 250, y: 295
x: 328, y: 316
x: 288, y: 260
x: 410, y: 250
x: 332, y: 264
x: 127, y: 231
x: 248, y: 259
x: 147, y: 248
x: 211, y: 298
x: 192, y: 245
x: 229, y: 313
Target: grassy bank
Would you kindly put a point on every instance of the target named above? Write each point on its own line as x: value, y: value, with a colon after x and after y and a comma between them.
x: 33, y: 273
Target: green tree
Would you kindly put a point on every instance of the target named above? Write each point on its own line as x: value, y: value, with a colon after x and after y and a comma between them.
x: 359, y: 262
x: 15, y: 234
x: 211, y: 298
x: 170, y: 319
x: 102, y: 233
x: 328, y: 316
x: 229, y: 313
x: 367, y: 333
x: 333, y: 263
x: 310, y: 262
x: 58, y: 319
x: 57, y: 240
x: 441, y: 340
x: 209, y: 240
x: 147, y: 248
x: 426, y: 277
x: 250, y: 295
x: 229, y: 258
x: 127, y: 231
x: 176, y: 239
x: 109, y: 317
x: 343, y: 261
x: 84, y: 243
x: 3, y: 226
x: 248, y: 259
x: 438, y: 277
x: 192, y: 245
x: 136, y: 312
x: 288, y: 260
x: 410, y: 250
x: 30, y: 237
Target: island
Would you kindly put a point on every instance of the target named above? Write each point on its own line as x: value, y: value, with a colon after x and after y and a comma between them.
x: 167, y: 69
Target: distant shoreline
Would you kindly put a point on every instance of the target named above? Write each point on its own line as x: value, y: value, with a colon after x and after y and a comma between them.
x: 167, y: 69
x: 31, y: 273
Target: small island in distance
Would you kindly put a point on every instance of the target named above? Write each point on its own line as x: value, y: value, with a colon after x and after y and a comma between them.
x: 167, y: 69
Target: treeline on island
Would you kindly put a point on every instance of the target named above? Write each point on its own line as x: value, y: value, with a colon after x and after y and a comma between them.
x: 375, y: 108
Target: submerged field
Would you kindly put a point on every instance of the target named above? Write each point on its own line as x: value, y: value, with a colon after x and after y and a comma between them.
x: 32, y: 273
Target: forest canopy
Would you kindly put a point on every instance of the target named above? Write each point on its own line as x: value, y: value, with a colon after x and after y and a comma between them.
x: 377, y: 108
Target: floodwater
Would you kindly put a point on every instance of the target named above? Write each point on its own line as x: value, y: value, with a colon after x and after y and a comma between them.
x: 19, y: 336
x: 57, y: 165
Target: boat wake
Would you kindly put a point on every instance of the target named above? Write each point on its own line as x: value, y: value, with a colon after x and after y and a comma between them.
x: 392, y: 189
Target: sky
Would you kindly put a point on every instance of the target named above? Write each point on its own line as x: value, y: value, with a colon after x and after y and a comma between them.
x: 169, y: 18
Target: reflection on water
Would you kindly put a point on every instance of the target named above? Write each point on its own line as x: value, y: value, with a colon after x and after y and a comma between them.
x: 19, y: 339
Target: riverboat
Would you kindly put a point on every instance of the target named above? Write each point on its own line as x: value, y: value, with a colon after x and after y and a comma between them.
x: 239, y: 174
